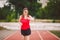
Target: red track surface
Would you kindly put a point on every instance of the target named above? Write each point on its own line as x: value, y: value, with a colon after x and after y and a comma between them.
x: 47, y: 36
x: 35, y: 35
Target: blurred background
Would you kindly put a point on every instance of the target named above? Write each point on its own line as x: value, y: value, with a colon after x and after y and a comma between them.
x: 49, y: 10
x: 45, y: 12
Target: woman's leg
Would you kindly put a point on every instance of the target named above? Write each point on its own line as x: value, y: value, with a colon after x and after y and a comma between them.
x: 26, y: 37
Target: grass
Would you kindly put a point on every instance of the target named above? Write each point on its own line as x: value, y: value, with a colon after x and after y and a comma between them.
x: 57, y: 33
x: 36, y: 20
x: 1, y: 28
x: 48, y: 20
x: 13, y: 20
x: 2, y: 20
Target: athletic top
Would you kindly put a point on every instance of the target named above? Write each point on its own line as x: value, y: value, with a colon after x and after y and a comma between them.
x: 25, y: 23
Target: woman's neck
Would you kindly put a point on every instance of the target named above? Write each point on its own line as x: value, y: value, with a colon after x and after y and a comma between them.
x: 25, y: 16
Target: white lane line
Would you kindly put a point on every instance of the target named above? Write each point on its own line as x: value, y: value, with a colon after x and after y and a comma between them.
x: 39, y: 35
x: 54, y: 35
x: 10, y: 35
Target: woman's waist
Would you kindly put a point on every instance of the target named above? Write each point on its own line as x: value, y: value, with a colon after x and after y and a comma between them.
x: 25, y: 27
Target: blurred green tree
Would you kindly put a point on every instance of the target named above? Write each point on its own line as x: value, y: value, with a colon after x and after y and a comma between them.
x: 51, y: 11
x: 53, y: 8
x: 4, y: 12
x: 32, y: 5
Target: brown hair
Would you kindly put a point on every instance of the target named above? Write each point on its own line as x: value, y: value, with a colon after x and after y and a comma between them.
x: 25, y: 9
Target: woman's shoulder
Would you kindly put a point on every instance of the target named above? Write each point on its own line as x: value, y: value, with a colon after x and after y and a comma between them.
x: 20, y: 16
x: 30, y: 16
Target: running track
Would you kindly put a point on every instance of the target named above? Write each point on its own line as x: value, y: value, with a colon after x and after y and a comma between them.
x: 35, y: 35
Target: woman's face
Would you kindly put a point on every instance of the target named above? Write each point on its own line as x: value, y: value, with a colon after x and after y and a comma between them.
x: 25, y: 12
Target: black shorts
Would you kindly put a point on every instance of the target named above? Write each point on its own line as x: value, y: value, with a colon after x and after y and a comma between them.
x: 26, y: 32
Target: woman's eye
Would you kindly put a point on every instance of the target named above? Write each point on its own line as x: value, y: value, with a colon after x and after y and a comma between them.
x: 25, y: 11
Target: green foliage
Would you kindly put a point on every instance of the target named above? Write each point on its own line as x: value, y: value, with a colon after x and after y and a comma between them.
x: 4, y: 12
x: 53, y: 8
x: 32, y: 5
x: 10, y: 16
x: 51, y: 11
x: 57, y: 33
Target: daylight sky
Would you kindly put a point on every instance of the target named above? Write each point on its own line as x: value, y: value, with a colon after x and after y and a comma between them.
x: 44, y: 3
x: 2, y: 2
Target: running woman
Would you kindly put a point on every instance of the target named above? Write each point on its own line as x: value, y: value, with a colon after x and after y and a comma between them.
x: 25, y: 19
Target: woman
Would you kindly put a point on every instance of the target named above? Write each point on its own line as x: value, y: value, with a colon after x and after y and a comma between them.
x: 25, y: 20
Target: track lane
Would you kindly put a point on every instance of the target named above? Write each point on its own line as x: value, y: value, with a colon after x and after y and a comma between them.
x: 47, y: 36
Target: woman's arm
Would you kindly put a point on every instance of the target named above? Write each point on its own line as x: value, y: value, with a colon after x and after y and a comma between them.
x: 20, y: 19
x: 31, y: 18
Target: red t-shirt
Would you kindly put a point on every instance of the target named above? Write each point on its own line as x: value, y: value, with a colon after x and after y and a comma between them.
x: 25, y: 23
